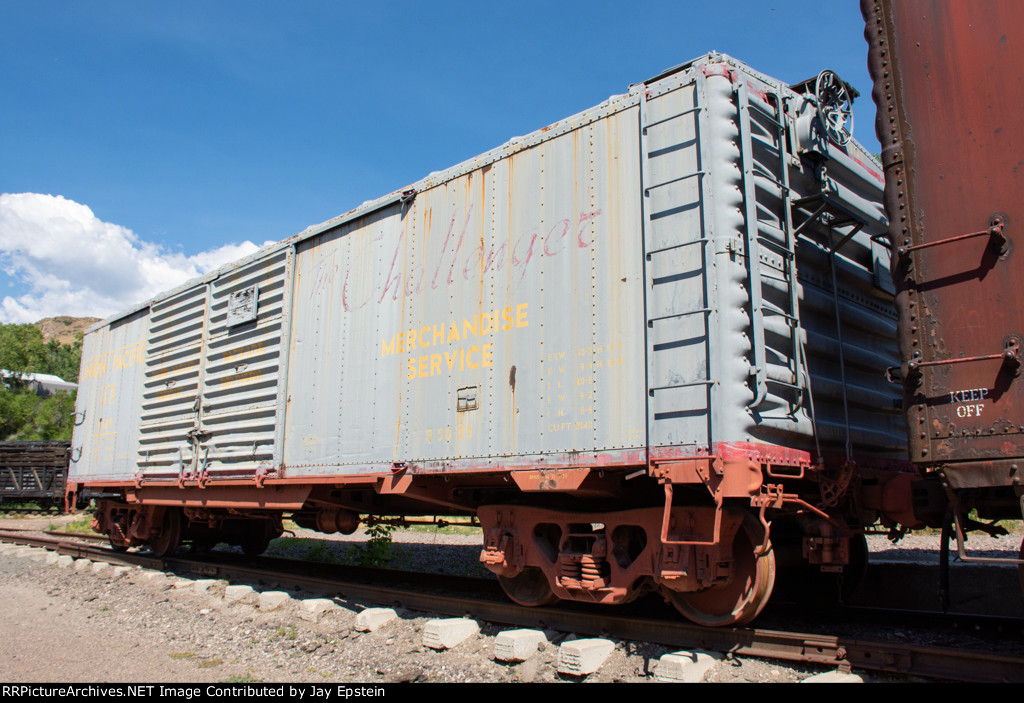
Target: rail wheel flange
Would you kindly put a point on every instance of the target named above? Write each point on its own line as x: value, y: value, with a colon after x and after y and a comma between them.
x: 741, y: 599
x: 167, y: 541
x: 530, y: 588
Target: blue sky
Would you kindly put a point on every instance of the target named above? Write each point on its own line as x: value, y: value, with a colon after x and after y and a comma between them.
x: 179, y: 135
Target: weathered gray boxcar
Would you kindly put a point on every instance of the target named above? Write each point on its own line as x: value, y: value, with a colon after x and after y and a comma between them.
x: 627, y: 342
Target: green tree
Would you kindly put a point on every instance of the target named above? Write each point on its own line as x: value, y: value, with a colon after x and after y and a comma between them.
x: 25, y: 416
x: 20, y: 347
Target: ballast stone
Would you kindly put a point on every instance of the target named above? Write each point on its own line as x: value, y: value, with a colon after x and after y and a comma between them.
x: 312, y: 608
x: 233, y: 594
x: 833, y: 677
x: 203, y: 585
x: 82, y: 565
x: 685, y: 666
x: 582, y: 657
x: 272, y: 600
x: 449, y: 632
x: 518, y: 645
x: 373, y: 619
x: 152, y: 576
x: 65, y: 560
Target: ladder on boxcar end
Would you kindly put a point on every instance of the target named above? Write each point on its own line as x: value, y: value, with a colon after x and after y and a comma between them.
x: 768, y: 245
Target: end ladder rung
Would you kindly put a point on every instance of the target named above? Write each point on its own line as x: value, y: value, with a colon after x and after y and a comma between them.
x: 672, y: 117
x: 773, y: 118
x: 650, y: 322
x: 651, y: 391
x: 648, y: 189
x: 676, y: 246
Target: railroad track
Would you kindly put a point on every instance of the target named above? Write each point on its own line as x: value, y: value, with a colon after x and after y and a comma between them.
x: 86, y: 536
x: 483, y: 600
x: 30, y: 512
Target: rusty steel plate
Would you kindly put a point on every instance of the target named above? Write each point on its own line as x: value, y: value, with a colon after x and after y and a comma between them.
x: 950, y: 95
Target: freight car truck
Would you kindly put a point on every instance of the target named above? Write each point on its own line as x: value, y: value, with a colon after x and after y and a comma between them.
x: 645, y: 345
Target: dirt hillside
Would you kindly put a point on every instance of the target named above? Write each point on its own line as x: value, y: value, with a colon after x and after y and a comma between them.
x: 64, y: 328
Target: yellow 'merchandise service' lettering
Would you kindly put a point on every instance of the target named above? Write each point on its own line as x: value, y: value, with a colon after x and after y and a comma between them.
x: 448, y: 334
x: 455, y: 360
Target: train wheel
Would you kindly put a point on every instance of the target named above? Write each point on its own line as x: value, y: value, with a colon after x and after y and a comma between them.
x: 529, y: 588
x: 744, y: 597
x: 255, y: 545
x: 166, y: 543
x: 202, y: 546
x: 857, y: 569
x: 254, y: 538
x: 118, y: 539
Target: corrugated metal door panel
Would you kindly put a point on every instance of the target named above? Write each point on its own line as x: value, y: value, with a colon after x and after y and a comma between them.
x: 241, y: 366
x: 241, y: 369
x: 108, y: 400
x: 171, y: 384
x: 177, y: 322
x: 269, y: 276
x: 166, y: 447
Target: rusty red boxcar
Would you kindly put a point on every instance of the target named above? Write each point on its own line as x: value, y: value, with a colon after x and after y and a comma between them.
x: 949, y: 93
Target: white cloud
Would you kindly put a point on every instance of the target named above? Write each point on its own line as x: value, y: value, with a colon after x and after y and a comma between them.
x: 73, y: 263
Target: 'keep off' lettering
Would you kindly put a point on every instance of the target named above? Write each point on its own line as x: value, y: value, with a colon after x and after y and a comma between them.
x: 969, y: 408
